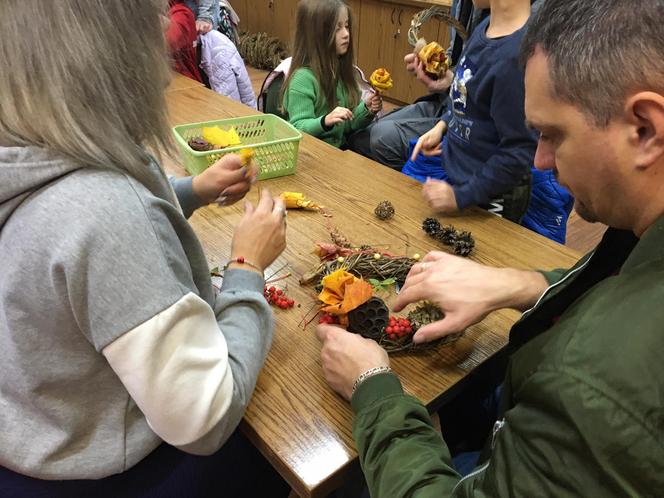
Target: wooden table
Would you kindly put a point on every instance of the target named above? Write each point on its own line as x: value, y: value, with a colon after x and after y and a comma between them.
x: 297, y: 422
x: 180, y: 82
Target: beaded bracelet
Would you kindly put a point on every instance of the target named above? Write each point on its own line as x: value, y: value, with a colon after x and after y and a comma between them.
x: 242, y: 261
x: 370, y: 373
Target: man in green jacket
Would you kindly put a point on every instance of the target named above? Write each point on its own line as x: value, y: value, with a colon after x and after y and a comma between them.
x: 582, y: 407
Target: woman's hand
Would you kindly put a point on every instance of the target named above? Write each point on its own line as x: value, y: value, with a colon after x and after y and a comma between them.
x: 260, y: 236
x: 440, y: 196
x: 429, y: 143
x: 344, y: 356
x: 374, y: 102
x: 226, y: 181
x: 338, y: 115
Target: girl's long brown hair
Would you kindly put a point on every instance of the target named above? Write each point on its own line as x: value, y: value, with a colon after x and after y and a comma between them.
x: 314, y: 48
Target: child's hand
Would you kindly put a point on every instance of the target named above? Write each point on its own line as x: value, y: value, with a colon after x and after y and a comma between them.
x: 374, y: 102
x: 429, y: 143
x: 226, y: 181
x: 338, y: 115
x: 203, y: 27
x: 440, y: 196
x: 441, y: 85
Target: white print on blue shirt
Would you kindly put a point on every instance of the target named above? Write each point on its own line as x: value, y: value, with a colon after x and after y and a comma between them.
x: 464, y: 73
x: 460, y: 126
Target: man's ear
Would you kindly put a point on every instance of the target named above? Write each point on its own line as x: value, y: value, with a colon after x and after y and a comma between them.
x: 645, y: 111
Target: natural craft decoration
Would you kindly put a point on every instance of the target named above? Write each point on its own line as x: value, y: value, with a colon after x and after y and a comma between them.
x: 384, y: 211
x: 381, y: 80
x: 433, y: 57
x: 462, y: 243
x: 261, y: 51
x: 297, y: 200
x: 441, y: 13
x: 350, y: 276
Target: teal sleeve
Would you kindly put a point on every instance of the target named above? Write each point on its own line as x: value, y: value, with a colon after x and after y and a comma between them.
x: 401, y: 453
x: 300, y: 104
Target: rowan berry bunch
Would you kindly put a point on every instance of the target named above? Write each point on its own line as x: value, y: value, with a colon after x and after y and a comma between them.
x: 328, y: 318
x: 398, y: 328
x: 277, y: 297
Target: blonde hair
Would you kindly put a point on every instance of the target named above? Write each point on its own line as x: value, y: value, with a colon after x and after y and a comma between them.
x: 85, y: 79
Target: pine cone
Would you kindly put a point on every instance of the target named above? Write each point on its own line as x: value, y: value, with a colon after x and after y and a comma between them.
x: 426, y: 313
x: 430, y: 226
x: 447, y: 235
x: 464, y: 244
x: 384, y: 210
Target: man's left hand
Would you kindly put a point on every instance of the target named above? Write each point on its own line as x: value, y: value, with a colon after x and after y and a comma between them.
x: 440, y: 196
x: 344, y: 356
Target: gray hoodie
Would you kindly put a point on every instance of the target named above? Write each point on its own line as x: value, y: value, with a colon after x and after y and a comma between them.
x: 111, y: 337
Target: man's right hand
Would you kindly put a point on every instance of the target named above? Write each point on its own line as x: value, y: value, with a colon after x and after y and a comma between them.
x: 466, y: 291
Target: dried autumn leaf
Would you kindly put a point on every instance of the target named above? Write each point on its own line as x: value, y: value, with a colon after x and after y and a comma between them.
x: 343, y: 292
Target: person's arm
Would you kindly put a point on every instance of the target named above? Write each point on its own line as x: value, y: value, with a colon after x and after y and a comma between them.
x: 206, y: 11
x: 201, y: 365
x: 466, y: 291
x: 300, y: 101
x: 517, y: 144
x: 362, y: 116
x: 400, y: 451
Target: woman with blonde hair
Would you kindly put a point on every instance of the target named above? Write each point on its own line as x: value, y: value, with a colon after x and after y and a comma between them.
x: 120, y: 362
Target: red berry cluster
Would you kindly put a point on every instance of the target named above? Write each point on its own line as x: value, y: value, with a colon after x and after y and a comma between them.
x: 398, y: 328
x: 327, y: 318
x: 277, y: 297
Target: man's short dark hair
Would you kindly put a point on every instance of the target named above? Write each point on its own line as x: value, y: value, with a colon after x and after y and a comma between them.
x: 599, y: 51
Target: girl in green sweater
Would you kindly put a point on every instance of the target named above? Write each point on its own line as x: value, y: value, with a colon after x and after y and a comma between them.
x: 321, y: 95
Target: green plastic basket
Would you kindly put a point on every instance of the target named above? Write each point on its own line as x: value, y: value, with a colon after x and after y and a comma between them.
x: 275, y: 144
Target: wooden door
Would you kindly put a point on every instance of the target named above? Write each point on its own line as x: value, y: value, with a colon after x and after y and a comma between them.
x: 260, y: 16
x: 376, y: 40
x: 284, y: 20
x: 241, y: 9
x: 409, y: 87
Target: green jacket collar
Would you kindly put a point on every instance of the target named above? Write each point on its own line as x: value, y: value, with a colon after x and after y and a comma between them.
x: 649, y: 248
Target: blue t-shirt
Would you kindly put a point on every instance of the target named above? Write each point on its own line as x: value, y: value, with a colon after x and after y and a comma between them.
x: 489, y: 149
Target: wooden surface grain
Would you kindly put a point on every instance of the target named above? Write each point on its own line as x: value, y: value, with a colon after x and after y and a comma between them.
x: 298, y: 423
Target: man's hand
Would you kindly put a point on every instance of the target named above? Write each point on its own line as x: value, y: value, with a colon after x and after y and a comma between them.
x: 466, y: 291
x: 344, y: 356
x: 203, y: 27
x: 440, y: 196
x: 226, y: 181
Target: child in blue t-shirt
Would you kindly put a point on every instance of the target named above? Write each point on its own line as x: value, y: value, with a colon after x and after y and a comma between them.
x: 487, y: 149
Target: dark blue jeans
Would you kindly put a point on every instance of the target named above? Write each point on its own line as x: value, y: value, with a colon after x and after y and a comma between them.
x: 236, y: 470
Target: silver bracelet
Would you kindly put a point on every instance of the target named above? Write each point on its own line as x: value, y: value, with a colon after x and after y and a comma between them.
x: 370, y: 373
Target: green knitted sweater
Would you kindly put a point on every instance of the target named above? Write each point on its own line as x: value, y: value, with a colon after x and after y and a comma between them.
x: 305, y: 111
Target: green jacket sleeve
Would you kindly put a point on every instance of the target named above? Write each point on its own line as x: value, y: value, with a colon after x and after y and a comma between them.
x: 554, y: 276
x: 300, y: 103
x: 400, y: 452
x: 362, y: 116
